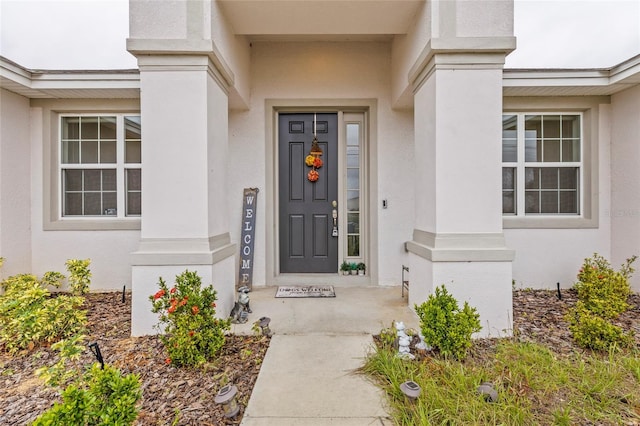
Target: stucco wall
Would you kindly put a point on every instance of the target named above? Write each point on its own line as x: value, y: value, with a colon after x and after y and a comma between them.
x: 545, y: 257
x: 15, y: 184
x: 326, y: 71
x: 625, y: 179
x: 109, y: 250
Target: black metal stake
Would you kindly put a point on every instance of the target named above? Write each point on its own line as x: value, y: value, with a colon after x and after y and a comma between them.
x: 559, y: 294
x: 123, y: 289
x: 95, y: 349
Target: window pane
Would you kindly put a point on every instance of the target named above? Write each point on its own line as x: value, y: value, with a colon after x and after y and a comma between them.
x: 89, y: 152
x: 92, y: 203
x: 353, y: 223
x: 92, y: 180
x: 89, y: 127
x: 532, y: 178
x: 134, y: 203
x: 508, y: 202
x: 533, y: 126
x: 71, y: 152
x: 532, y: 202
x: 107, y: 128
x: 508, y: 178
x: 551, y: 127
x: 571, y: 150
x: 109, y: 204
x: 72, y: 180
x: 109, y: 181
x: 509, y: 150
x: 133, y: 152
x: 551, y: 150
x: 108, y: 152
x: 132, y: 127
x: 353, y: 179
x: 70, y: 128
x: 134, y: 179
x: 569, y: 178
x: 549, y: 202
x: 532, y: 149
x: 569, y: 202
x: 353, y: 134
x: 570, y: 126
x: 353, y: 245
x: 549, y: 177
x: 72, y: 204
x: 353, y: 201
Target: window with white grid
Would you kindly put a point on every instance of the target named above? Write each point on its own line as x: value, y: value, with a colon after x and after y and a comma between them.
x: 100, y: 165
x: 542, y: 164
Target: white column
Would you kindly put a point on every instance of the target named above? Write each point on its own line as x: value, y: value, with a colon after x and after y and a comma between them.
x: 458, y: 239
x: 184, y: 104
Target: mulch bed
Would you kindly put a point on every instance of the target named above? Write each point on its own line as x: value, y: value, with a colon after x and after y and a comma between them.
x: 186, y: 396
x: 168, y: 393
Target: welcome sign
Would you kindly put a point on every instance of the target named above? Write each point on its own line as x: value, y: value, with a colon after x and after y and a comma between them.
x: 245, y: 277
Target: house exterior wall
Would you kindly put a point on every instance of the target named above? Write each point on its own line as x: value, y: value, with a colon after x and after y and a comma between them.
x: 15, y: 184
x: 109, y: 250
x: 317, y: 71
x: 550, y: 253
x: 624, y: 213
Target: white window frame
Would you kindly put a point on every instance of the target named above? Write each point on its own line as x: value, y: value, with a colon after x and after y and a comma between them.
x: 52, y: 189
x: 588, y: 109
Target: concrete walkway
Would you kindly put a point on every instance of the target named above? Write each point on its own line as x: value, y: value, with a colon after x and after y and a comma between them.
x: 309, y: 376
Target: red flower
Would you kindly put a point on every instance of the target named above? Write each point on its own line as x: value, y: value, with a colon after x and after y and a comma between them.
x: 195, y: 310
x: 171, y: 309
x: 173, y: 290
x: 317, y: 163
x: 213, y: 304
x: 183, y: 302
x: 159, y: 294
x: 191, y: 333
x: 313, y: 176
x: 167, y: 361
x: 600, y: 277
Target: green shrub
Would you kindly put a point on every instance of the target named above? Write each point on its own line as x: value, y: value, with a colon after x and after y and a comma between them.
x: 79, y: 275
x: 103, y: 397
x: 446, y: 327
x: 592, y: 331
x: 603, y: 290
x: 29, y: 316
x: 602, y: 296
x: 192, y: 334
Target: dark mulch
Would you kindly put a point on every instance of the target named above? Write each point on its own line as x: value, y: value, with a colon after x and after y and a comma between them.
x: 187, y: 395
x: 168, y: 393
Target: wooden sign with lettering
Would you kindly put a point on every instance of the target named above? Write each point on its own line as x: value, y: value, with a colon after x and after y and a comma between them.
x: 249, y: 202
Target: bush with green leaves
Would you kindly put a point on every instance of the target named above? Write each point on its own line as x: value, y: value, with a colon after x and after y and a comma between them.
x: 29, y: 316
x: 603, y: 290
x: 79, y: 275
x: 102, y: 397
x: 602, y: 297
x: 592, y: 331
x: 445, y: 326
x: 191, y: 333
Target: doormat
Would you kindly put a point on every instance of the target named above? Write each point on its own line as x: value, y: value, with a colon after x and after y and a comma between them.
x: 306, y: 291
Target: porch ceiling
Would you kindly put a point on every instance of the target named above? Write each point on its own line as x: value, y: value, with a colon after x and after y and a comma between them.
x: 280, y: 19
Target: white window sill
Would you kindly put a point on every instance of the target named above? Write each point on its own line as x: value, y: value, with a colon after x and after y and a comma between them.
x: 549, y: 222
x: 90, y: 224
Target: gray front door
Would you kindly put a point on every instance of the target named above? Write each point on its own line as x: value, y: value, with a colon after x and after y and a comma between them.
x: 307, y: 243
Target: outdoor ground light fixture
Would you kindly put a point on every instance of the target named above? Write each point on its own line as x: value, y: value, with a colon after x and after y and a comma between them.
x: 263, y: 323
x: 487, y: 390
x: 95, y: 349
x: 227, y: 398
x: 411, y: 390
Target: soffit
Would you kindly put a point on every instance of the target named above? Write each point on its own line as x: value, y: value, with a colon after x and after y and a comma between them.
x: 263, y: 19
x: 36, y: 84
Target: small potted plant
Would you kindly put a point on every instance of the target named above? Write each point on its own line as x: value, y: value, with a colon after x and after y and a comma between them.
x: 345, y: 267
x: 361, y: 268
x: 354, y: 268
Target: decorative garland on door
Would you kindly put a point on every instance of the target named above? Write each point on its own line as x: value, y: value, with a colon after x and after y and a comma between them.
x: 313, y: 160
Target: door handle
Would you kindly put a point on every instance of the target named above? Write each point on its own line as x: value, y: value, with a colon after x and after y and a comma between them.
x: 334, y: 213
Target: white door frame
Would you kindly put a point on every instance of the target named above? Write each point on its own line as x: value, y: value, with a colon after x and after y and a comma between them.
x: 272, y: 108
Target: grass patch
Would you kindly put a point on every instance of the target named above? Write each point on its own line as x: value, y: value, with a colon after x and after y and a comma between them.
x: 535, y: 386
